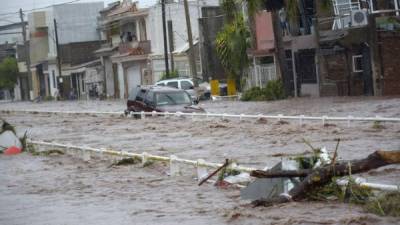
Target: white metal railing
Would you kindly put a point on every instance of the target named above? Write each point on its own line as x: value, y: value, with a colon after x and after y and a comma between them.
x: 300, y: 118
x: 343, y: 9
x: 144, y: 156
x: 260, y: 75
x: 174, y: 162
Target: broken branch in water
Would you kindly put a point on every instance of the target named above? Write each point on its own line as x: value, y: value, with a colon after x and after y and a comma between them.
x: 323, y: 175
x: 215, y: 172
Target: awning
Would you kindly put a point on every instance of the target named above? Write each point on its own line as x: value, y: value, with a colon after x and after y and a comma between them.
x: 81, y: 67
x: 105, y: 50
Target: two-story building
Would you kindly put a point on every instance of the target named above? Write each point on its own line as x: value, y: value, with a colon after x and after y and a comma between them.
x: 299, y: 43
x: 125, y: 55
x: 77, y: 39
x: 134, y: 52
x: 347, y: 49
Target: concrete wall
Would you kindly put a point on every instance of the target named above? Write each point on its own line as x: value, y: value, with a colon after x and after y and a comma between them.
x: 264, y: 31
x: 176, y: 13
x: 77, y: 22
x: 110, y: 86
x: 210, y: 25
x: 38, y: 37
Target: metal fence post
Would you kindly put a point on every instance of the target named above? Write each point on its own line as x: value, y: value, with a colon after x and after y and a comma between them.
x: 145, y: 157
x: 142, y: 115
x: 201, y: 170
x: 174, y: 169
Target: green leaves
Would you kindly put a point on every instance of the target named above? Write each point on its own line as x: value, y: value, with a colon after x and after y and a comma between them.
x: 232, y: 43
x: 254, y: 5
x: 273, y: 91
x: 8, y: 73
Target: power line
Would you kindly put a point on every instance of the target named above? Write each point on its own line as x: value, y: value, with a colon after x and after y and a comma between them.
x: 65, y: 3
x: 34, y: 9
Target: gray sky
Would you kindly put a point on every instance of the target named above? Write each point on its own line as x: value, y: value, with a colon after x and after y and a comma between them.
x: 7, y: 6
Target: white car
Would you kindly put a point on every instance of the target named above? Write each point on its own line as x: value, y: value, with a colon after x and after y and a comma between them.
x: 180, y: 83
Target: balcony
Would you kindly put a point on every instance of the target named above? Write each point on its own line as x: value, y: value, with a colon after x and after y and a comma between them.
x: 135, y: 48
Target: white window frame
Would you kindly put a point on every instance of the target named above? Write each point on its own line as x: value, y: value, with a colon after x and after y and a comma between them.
x: 355, y: 57
x: 396, y: 7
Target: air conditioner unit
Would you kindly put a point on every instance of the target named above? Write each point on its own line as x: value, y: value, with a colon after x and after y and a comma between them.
x: 359, y: 18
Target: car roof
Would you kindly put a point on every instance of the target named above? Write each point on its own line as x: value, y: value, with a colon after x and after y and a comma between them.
x: 177, y: 78
x: 160, y: 88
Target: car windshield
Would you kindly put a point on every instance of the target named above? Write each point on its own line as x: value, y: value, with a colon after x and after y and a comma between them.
x: 173, y: 98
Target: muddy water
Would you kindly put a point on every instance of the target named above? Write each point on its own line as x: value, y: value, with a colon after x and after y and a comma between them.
x: 67, y: 191
x: 251, y: 143
x: 62, y: 190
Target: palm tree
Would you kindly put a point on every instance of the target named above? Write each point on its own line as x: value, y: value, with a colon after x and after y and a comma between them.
x: 233, y: 41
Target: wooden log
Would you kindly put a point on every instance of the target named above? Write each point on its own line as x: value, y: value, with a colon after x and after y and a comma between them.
x: 321, y: 176
x: 280, y: 173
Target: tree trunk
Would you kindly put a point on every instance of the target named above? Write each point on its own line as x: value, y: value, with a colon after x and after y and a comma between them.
x: 281, y: 173
x: 280, y: 52
x: 324, y: 175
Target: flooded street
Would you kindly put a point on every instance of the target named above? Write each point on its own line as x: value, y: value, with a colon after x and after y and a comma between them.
x: 64, y: 190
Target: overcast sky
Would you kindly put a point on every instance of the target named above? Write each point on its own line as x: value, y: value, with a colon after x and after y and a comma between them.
x: 8, y: 6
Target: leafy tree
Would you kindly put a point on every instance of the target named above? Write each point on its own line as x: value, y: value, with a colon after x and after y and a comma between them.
x: 232, y: 43
x: 8, y: 73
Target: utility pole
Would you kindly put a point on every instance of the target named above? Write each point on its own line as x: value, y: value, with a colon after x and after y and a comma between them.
x: 58, y: 56
x: 171, y: 43
x: 27, y: 53
x: 165, y: 38
x: 192, y: 60
x: 200, y: 15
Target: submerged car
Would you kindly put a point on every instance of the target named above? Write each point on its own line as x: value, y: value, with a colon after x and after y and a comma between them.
x: 160, y: 99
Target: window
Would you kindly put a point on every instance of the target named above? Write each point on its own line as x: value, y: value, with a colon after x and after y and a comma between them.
x: 149, y: 99
x: 161, y: 84
x: 53, y: 74
x: 140, y: 95
x: 173, y: 84
x: 186, y: 85
x: 357, y: 64
x: 389, y: 4
x: 173, y: 98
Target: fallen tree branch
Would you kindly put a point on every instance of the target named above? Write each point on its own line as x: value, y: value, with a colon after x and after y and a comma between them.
x: 323, y: 175
x: 215, y: 172
x: 280, y: 173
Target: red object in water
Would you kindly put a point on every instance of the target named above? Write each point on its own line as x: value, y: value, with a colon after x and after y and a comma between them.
x: 13, y: 150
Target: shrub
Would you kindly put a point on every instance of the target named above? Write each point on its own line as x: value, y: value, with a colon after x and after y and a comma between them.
x: 253, y: 94
x: 273, y: 91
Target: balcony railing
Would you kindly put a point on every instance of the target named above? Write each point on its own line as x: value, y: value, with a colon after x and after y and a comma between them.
x: 135, y: 48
